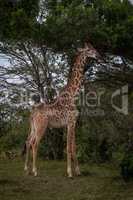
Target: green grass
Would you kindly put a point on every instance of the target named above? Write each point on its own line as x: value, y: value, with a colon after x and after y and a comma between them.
x: 98, y: 182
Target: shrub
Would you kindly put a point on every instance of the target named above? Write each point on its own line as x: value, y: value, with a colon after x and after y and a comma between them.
x: 127, y: 166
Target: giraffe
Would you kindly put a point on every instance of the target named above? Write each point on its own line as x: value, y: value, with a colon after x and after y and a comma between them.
x: 61, y: 113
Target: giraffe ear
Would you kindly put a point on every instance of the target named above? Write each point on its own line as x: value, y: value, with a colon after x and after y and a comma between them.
x: 86, y: 45
x: 79, y: 49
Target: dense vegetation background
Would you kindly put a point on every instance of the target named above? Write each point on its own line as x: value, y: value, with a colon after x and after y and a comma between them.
x: 39, y: 39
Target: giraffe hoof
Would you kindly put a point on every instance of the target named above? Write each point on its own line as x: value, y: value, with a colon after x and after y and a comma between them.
x: 35, y: 174
x: 77, y: 172
x: 26, y: 170
x: 70, y: 176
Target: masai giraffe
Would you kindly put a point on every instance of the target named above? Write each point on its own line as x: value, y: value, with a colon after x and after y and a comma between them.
x: 61, y: 113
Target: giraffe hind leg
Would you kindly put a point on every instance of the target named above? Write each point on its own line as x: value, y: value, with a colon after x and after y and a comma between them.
x: 27, y: 158
x: 73, y: 164
x: 28, y: 145
x: 69, y: 149
x: 40, y: 125
x: 74, y: 156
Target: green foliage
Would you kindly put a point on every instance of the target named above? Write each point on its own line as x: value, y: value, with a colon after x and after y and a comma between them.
x: 127, y: 166
x: 52, y: 146
x: 14, y: 131
x: 94, y: 141
x: 107, y: 24
x: 31, y: 7
x: 17, y: 19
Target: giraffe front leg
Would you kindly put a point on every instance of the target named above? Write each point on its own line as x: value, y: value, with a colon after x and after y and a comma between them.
x: 26, y: 167
x: 69, y: 153
x: 69, y: 164
x: 34, y: 150
x: 75, y: 160
x: 74, y: 156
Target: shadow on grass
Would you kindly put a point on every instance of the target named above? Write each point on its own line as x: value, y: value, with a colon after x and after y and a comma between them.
x: 122, y: 180
x: 8, y: 182
x: 87, y: 173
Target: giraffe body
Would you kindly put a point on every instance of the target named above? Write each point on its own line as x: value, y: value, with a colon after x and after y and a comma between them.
x: 61, y: 113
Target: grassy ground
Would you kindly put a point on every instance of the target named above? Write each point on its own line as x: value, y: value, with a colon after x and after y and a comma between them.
x: 96, y: 183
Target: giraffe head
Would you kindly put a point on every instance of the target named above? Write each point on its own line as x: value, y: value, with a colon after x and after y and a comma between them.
x: 88, y: 51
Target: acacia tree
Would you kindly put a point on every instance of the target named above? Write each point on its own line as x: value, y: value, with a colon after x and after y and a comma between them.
x: 38, y: 68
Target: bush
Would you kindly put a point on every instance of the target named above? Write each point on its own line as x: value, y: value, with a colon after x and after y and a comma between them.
x: 127, y: 166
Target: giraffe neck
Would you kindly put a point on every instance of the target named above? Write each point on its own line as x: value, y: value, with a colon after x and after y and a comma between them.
x: 76, y: 78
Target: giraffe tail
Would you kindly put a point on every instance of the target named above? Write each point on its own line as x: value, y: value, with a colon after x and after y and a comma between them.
x: 24, y: 149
